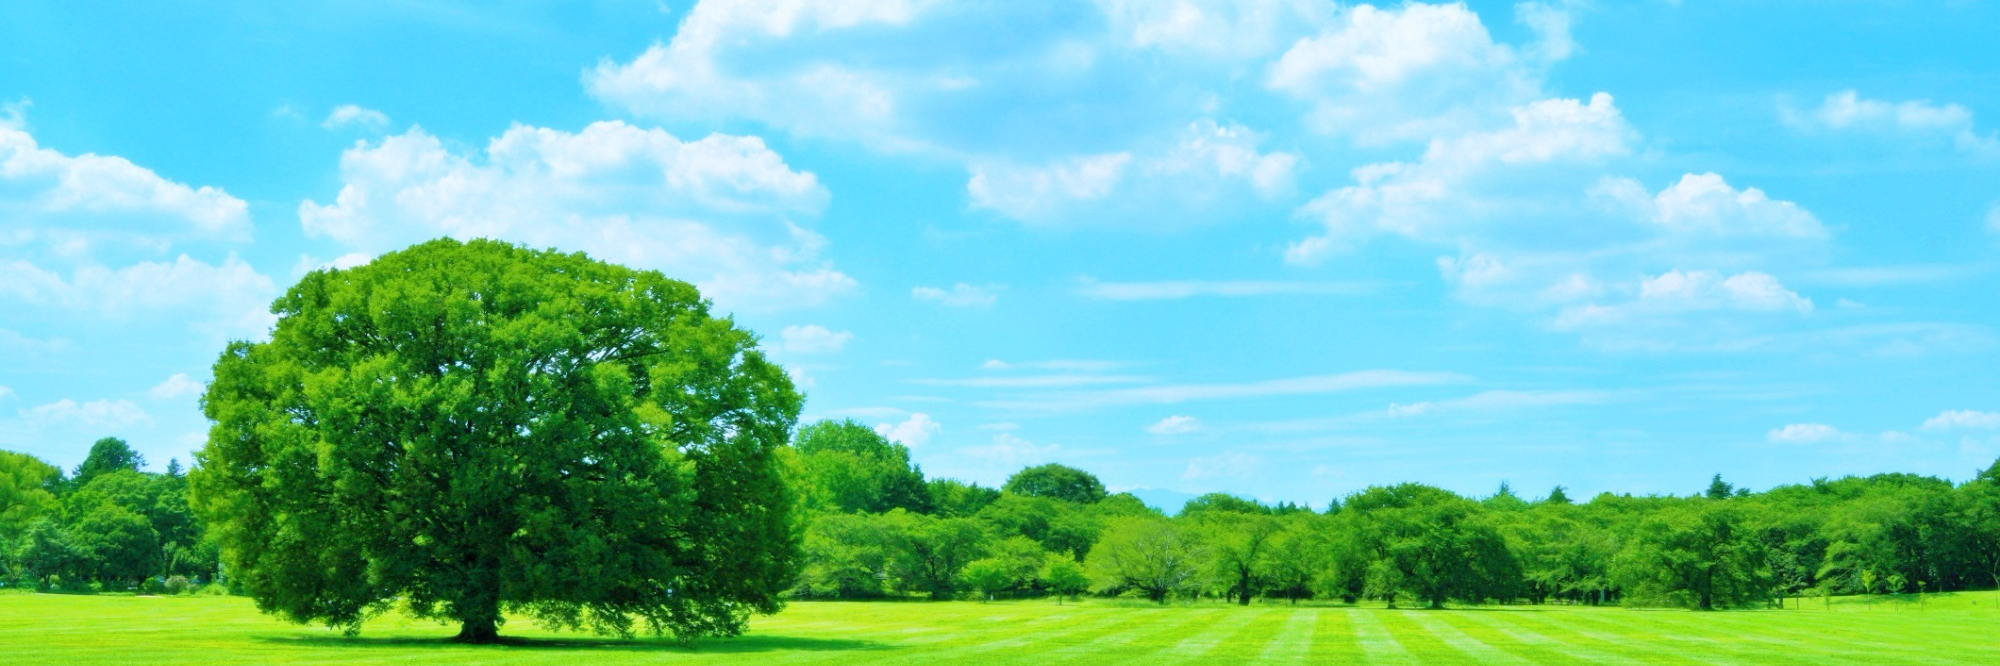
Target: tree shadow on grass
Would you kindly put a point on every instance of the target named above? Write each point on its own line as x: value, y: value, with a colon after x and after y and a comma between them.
x: 741, y: 644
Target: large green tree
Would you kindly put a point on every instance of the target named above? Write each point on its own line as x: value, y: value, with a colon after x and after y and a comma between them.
x: 470, y: 428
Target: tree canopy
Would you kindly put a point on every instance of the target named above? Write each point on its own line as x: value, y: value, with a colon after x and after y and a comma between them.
x: 1056, y: 481
x: 470, y: 428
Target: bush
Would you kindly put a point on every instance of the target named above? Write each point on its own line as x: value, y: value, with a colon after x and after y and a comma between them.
x: 153, y: 586
x: 178, y: 585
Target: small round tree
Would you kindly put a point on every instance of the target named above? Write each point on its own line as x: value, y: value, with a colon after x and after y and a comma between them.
x: 475, y: 428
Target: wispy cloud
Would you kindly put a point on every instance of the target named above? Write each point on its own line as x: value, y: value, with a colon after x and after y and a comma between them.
x: 1033, y: 381
x: 1179, y: 289
x: 1179, y: 393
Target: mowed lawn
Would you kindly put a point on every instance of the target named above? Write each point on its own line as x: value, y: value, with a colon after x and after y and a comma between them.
x: 87, y: 630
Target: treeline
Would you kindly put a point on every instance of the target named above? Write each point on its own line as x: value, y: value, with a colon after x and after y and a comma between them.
x: 874, y: 527
x: 106, y: 526
x: 871, y: 526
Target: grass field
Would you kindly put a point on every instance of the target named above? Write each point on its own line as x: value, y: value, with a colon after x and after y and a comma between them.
x: 88, y: 630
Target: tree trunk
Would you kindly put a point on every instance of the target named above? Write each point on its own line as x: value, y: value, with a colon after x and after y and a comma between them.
x: 483, y: 630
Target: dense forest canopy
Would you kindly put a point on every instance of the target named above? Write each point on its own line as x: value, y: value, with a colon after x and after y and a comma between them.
x: 873, y: 527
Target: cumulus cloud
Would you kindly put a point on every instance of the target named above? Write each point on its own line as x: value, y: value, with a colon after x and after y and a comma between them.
x: 960, y: 295
x: 1453, y: 191
x: 1848, y: 111
x: 1963, y: 419
x: 1804, y: 433
x: 913, y: 432
x: 1174, y: 425
x: 717, y: 211
x: 1092, y: 116
x: 813, y: 339
x: 1413, y: 71
x: 1705, y: 204
x: 350, y: 115
x: 177, y: 386
x: 72, y: 201
x: 94, y: 414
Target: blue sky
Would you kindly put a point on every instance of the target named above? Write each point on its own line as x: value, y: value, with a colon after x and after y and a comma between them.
x: 1280, y: 249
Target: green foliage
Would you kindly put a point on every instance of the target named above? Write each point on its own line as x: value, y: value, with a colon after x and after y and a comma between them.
x: 850, y: 468
x: 1056, y: 482
x: 1062, y: 576
x: 1696, y: 554
x: 952, y: 498
x: 1153, y: 557
x: 107, y: 455
x: 470, y: 427
x: 27, y: 495
x: 1429, y: 543
x: 1222, y: 503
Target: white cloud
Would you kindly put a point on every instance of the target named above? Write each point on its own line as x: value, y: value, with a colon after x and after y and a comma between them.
x: 1966, y: 419
x: 176, y: 386
x: 1230, y: 464
x: 72, y: 201
x: 1705, y: 204
x: 1848, y: 111
x: 913, y: 432
x: 1205, y: 164
x: 350, y: 115
x: 1451, y: 193
x: 1675, y: 292
x: 1413, y: 71
x: 1179, y: 393
x: 960, y: 295
x: 1175, y: 425
x: 234, y: 296
x: 1062, y: 364
x: 1804, y: 433
x: 94, y: 414
x: 715, y: 211
x: 1033, y: 381
x: 1022, y: 192
x: 813, y: 339
x: 6, y: 392
x: 1180, y: 289
x: 1011, y: 451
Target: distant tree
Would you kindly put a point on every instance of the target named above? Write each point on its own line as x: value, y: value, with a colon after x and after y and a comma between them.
x: 988, y: 576
x: 851, y: 468
x: 462, y: 429
x: 932, y: 552
x: 1237, y: 546
x: 1700, y: 556
x: 1719, y: 489
x: 1222, y: 503
x: 1557, y: 496
x: 1062, y: 576
x: 1432, y: 544
x: 1504, y: 499
x: 953, y: 498
x: 107, y: 455
x: 1151, y: 556
x: 847, y: 556
x: 1059, y: 526
x: 1295, y: 556
x: 1056, y: 482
